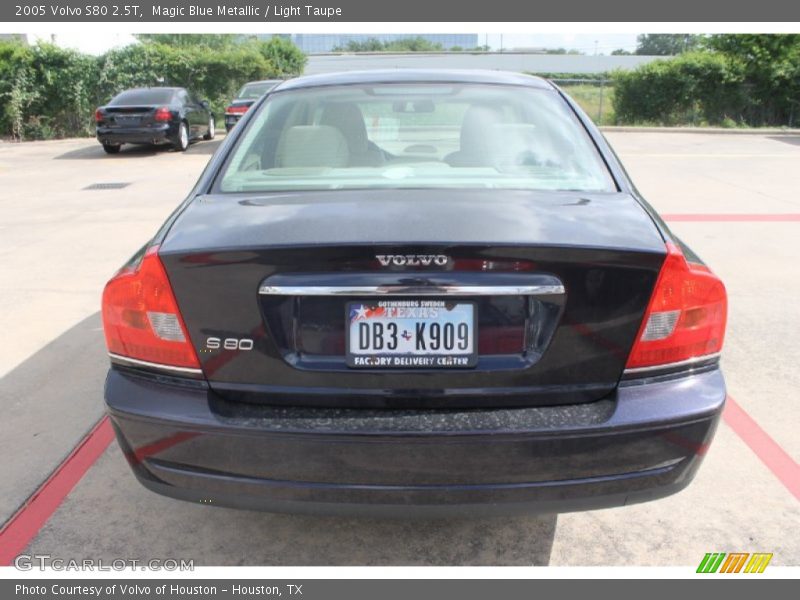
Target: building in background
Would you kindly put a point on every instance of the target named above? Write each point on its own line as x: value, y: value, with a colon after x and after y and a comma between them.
x: 14, y: 37
x: 319, y: 43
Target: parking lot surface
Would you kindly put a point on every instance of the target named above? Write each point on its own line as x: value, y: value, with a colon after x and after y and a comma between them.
x: 733, y: 198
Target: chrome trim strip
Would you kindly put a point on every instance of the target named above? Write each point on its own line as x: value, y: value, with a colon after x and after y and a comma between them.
x: 422, y: 290
x: 682, y: 363
x: 143, y: 363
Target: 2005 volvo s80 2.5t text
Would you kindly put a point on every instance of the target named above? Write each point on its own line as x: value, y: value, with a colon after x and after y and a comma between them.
x: 415, y: 292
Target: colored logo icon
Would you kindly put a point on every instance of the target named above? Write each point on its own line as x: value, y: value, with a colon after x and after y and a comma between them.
x: 734, y: 562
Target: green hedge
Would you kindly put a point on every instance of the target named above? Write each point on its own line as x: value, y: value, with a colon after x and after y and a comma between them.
x: 699, y: 88
x: 50, y: 92
x: 45, y: 91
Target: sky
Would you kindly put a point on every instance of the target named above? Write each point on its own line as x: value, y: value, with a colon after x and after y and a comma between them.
x: 606, y: 42
x: 98, y: 42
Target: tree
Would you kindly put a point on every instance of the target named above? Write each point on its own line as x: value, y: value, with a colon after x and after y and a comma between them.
x: 17, y: 92
x: 758, y: 50
x: 217, y: 41
x: 621, y: 52
x: 666, y: 44
x: 572, y: 51
x: 415, y: 44
x: 772, y: 70
x: 283, y: 54
x: 412, y: 44
x: 370, y: 45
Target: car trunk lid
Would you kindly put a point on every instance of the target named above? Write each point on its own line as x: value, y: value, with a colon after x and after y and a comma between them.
x: 576, y: 272
x: 129, y: 116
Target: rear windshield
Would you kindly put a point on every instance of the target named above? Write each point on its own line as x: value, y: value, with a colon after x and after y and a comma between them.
x: 415, y: 136
x: 254, y: 91
x: 149, y: 96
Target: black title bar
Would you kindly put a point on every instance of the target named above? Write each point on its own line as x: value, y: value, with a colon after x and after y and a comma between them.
x: 344, y: 589
x: 198, y: 11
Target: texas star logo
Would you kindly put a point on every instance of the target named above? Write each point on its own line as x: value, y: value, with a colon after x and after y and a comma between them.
x: 363, y: 312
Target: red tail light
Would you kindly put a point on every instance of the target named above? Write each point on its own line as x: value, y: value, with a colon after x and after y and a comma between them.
x: 98, y: 116
x: 141, y: 319
x: 686, y: 316
x: 162, y: 114
x: 236, y: 110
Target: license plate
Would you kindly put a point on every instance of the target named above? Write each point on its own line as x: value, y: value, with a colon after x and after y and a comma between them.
x: 127, y: 120
x: 411, y: 334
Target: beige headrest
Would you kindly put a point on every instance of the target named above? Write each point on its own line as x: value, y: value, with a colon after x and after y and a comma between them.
x: 312, y: 146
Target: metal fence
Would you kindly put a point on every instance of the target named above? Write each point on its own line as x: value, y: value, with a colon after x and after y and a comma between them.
x: 593, y: 95
x: 596, y: 97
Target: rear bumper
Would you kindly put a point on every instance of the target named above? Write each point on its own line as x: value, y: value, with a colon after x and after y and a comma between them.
x: 645, y: 442
x: 158, y: 134
x: 231, y: 120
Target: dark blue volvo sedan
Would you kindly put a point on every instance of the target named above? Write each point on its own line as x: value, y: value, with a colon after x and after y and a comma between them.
x: 415, y: 292
x: 157, y: 116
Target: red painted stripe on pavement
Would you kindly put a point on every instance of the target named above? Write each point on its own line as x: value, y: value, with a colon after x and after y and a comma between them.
x: 20, y: 529
x: 163, y: 444
x: 686, y: 443
x: 732, y: 217
x: 765, y: 448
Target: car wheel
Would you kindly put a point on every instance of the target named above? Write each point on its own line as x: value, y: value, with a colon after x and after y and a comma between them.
x: 212, y: 129
x: 112, y: 148
x: 182, y: 143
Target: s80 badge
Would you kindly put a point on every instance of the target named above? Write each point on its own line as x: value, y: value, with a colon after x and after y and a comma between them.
x: 215, y: 343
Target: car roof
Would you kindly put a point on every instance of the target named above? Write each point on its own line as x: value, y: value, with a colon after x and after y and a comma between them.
x: 153, y: 87
x: 379, y: 76
x: 263, y: 81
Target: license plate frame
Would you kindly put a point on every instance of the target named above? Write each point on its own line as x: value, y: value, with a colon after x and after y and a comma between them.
x: 398, y: 360
x: 128, y: 120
